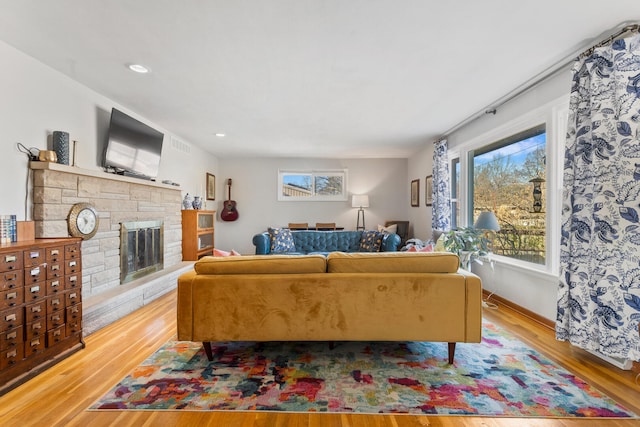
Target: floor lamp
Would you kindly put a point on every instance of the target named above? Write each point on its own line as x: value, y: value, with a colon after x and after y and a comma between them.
x: 487, y: 221
x: 360, y: 201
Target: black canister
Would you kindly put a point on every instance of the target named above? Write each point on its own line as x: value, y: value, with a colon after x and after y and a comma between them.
x: 61, y: 146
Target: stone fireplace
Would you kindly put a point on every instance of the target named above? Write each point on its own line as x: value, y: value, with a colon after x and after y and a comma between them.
x: 119, y: 200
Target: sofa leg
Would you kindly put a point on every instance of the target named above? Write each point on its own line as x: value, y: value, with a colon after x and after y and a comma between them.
x: 452, y: 352
x: 208, y: 350
x: 332, y: 345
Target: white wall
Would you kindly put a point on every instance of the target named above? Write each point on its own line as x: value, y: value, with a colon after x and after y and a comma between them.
x: 254, y: 189
x: 36, y: 100
x: 420, y: 166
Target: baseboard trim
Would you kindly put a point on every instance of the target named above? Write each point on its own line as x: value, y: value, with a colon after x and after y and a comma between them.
x: 548, y: 323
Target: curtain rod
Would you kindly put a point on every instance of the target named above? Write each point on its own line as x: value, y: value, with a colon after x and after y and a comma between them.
x: 585, y: 49
x: 626, y: 29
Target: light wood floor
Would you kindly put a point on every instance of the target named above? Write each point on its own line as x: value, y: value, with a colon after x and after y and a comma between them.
x: 60, y: 395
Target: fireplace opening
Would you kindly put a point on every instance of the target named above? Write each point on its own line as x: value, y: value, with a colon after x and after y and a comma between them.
x: 141, y: 249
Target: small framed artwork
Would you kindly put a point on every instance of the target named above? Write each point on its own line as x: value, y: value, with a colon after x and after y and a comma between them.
x: 211, y: 187
x: 428, y: 190
x: 415, y: 192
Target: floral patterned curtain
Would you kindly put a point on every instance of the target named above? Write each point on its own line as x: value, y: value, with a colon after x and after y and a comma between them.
x: 441, y: 208
x: 599, y: 292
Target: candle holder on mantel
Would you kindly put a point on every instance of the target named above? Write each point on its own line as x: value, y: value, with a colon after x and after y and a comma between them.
x: 75, y: 146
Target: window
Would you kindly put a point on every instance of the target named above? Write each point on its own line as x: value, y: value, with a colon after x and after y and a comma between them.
x: 508, y: 178
x: 328, y: 185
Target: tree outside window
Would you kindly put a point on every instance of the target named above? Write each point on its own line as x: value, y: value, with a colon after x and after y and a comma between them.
x: 502, y: 183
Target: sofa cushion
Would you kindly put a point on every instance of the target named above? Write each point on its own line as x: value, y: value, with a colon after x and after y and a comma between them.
x: 393, y: 262
x: 307, y: 242
x: 326, y: 241
x: 262, y: 264
x: 370, y: 241
x: 392, y: 229
x: 281, y: 240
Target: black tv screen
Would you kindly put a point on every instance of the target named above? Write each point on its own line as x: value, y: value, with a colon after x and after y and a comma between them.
x: 133, y: 148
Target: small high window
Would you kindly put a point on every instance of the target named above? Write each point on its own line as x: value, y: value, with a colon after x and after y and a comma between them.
x: 327, y: 185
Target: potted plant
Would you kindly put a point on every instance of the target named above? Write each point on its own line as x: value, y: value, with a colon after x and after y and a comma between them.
x: 466, y: 242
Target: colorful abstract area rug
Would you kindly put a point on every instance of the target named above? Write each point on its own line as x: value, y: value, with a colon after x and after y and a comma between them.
x: 499, y: 377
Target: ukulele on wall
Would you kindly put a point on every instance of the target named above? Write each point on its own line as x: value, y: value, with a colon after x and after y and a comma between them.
x: 229, y: 212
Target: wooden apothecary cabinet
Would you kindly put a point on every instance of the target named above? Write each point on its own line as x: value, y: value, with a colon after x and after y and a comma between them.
x: 40, y: 307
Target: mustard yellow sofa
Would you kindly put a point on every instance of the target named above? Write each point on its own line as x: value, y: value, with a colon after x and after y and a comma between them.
x: 386, y: 296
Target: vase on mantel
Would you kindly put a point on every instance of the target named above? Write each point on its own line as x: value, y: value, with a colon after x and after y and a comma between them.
x: 197, y: 202
x: 60, y: 142
x: 187, y: 202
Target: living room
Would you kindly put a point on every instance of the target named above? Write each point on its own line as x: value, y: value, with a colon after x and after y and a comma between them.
x: 38, y: 99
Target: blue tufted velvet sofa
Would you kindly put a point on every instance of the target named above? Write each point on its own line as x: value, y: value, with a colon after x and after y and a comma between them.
x: 324, y: 242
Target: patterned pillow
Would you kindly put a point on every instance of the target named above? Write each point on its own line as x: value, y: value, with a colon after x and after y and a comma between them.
x: 281, y: 240
x: 371, y: 241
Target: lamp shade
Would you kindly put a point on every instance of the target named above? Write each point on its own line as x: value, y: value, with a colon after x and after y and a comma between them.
x: 360, y: 201
x: 487, y: 221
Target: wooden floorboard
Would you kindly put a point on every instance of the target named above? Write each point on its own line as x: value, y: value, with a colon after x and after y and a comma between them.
x: 61, y: 395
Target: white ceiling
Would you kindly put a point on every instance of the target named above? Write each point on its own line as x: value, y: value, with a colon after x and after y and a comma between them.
x: 306, y: 78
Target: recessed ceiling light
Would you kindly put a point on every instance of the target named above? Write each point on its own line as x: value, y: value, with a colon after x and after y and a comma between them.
x: 139, y: 68
x: 220, y: 135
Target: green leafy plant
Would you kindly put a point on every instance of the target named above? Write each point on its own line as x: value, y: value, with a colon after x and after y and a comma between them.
x: 466, y: 242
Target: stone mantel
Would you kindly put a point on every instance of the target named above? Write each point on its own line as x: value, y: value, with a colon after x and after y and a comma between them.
x: 117, y: 198
x: 35, y: 165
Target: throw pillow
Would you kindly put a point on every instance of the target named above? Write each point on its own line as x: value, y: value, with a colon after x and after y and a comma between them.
x: 281, y: 240
x: 371, y: 241
x: 428, y: 248
x: 440, y: 244
x: 219, y: 252
x: 392, y: 229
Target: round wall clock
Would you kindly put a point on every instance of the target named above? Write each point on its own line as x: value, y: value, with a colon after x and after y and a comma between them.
x: 83, y: 220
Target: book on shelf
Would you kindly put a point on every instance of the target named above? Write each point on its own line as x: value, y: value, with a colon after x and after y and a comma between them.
x: 8, y: 229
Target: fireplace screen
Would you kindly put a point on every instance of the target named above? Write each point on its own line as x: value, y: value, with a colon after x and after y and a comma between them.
x: 141, y: 249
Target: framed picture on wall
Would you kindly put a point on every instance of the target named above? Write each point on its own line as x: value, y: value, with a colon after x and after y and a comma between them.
x: 428, y: 190
x: 415, y: 192
x: 211, y: 187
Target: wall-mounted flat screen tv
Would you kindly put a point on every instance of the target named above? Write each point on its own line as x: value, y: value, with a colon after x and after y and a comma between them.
x: 133, y: 148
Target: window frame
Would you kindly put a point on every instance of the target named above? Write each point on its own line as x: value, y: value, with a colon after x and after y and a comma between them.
x: 523, y: 135
x: 554, y: 116
x: 454, y: 164
x: 343, y: 196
